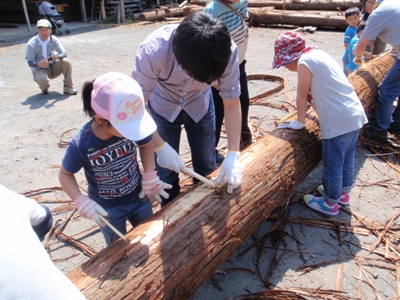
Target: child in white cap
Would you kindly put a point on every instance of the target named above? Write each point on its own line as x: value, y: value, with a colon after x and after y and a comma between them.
x: 340, y: 113
x: 106, y: 148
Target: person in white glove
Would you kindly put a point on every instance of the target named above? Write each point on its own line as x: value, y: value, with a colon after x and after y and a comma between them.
x: 176, y: 77
x: 106, y: 148
x: 232, y: 169
x: 27, y: 271
x: 296, y: 125
x: 340, y: 113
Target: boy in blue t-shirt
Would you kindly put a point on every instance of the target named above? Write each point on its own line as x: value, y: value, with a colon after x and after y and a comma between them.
x: 352, y: 16
x: 351, y: 66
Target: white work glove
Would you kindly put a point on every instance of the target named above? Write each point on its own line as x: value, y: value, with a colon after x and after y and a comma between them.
x: 168, y: 158
x: 296, y: 125
x: 232, y: 169
x: 153, y: 187
x: 89, y: 209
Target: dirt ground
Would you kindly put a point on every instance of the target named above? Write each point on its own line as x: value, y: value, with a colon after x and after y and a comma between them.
x: 309, y: 256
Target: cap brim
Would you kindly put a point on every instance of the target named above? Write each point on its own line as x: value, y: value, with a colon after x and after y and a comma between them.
x: 137, y: 130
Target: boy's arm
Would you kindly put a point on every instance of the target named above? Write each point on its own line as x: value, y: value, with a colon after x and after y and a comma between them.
x: 69, y: 183
x: 361, y: 45
x: 304, y: 76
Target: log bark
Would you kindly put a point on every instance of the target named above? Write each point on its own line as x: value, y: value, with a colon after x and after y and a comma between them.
x: 321, y: 19
x: 336, y: 5
x: 367, y: 79
x: 178, y: 249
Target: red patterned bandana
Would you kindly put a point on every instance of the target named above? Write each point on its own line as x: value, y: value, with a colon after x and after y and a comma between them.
x: 288, y: 47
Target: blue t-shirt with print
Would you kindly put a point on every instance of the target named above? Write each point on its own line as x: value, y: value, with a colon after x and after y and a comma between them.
x: 110, y: 166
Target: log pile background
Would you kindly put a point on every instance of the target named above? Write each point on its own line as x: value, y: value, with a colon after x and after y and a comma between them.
x: 299, y: 13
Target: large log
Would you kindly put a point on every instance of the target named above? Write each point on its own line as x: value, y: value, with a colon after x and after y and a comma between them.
x: 337, y: 5
x: 367, y: 79
x: 180, y: 247
x: 321, y: 19
x: 161, y: 14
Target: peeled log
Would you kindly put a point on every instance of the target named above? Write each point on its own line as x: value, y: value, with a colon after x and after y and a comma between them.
x: 155, y: 15
x: 181, y: 246
x: 321, y: 19
x: 367, y: 79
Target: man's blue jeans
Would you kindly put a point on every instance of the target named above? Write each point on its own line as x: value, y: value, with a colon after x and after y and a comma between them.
x: 338, y: 155
x: 388, y: 92
x: 201, y: 139
x: 135, y: 211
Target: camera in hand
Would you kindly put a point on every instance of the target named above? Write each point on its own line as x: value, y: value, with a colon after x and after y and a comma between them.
x: 52, y: 54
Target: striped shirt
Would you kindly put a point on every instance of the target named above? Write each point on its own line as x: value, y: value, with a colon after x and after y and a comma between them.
x: 236, y: 25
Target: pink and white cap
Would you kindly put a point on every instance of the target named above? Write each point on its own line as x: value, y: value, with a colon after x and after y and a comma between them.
x: 118, y: 98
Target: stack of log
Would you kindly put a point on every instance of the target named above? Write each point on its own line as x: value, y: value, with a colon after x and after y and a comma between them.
x: 316, y: 13
x: 181, y: 246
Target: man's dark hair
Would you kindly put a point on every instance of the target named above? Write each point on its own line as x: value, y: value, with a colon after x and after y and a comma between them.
x: 351, y: 11
x: 202, y: 46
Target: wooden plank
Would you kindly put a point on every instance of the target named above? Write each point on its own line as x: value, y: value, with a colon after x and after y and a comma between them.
x: 122, y: 10
x: 102, y: 10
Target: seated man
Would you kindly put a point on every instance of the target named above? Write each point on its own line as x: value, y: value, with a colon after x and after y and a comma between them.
x: 48, y: 59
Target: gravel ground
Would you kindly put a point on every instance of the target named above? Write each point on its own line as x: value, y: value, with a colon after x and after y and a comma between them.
x: 309, y: 256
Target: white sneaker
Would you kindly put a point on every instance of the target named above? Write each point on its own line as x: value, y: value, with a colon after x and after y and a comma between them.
x: 70, y: 90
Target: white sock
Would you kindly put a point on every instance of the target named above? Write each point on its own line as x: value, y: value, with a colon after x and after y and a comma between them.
x: 37, y: 215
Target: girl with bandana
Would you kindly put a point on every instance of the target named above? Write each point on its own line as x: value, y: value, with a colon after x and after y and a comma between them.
x: 340, y: 113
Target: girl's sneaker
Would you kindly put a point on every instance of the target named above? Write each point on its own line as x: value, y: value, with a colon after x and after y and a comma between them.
x: 319, y: 204
x: 344, y: 198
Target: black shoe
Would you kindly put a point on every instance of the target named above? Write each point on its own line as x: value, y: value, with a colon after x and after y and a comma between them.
x: 372, y: 134
x: 219, y: 158
x: 44, y: 227
x: 394, y: 129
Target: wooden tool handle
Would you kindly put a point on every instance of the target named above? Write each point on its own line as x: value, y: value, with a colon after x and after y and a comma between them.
x: 208, y: 182
x: 117, y: 232
x: 286, y: 118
